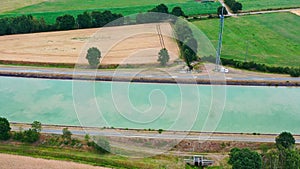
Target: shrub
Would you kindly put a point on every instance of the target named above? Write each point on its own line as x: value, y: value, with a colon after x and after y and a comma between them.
x: 30, y: 136
x: 101, y: 145
x: 18, y: 136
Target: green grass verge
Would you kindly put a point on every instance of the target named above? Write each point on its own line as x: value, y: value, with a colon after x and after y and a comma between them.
x: 86, y: 157
x: 250, y: 5
x: 51, y: 9
x: 271, y: 39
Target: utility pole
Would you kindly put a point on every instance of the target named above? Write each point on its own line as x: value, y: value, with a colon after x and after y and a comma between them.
x: 218, y: 57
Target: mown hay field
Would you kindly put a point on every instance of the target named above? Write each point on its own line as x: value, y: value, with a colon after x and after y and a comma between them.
x: 272, y: 39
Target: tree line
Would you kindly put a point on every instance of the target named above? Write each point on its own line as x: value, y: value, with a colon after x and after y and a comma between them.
x: 164, y: 14
x: 188, y: 45
x: 29, y: 24
x: 233, y: 5
x: 292, y: 71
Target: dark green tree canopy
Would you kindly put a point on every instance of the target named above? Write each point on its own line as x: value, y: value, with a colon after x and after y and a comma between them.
x: 84, y: 20
x: 4, y: 129
x: 65, y: 22
x: 162, y: 8
x: 36, y: 125
x: 163, y: 56
x: 244, y: 159
x: 285, y: 140
x: 219, y: 10
x: 177, y: 11
x: 236, y: 7
x: 93, y: 56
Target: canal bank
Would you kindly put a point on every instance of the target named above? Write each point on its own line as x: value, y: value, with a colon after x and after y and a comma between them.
x: 131, y: 75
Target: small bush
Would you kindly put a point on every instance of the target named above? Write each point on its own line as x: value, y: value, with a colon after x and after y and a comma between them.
x: 30, y: 136
x: 18, y: 136
x: 101, y: 145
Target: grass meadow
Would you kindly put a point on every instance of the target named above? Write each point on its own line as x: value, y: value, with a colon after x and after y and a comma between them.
x: 271, y: 39
x: 250, y: 5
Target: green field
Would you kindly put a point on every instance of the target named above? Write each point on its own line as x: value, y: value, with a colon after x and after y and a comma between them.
x: 51, y: 9
x: 249, y: 5
x: 272, y: 39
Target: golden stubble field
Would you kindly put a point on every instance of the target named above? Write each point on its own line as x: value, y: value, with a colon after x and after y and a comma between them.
x: 132, y: 44
x: 9, y: 5
x: 9, y: 161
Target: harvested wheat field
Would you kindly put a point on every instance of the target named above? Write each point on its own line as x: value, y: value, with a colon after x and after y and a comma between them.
x: 9, y: 5
x: 134, y: 44
x: 8, y: 161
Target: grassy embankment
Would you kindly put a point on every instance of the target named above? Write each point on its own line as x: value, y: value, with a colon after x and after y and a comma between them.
x: 271, y: 39
x: 88, y: 157
x: 254, y: 5
x: 51, y: 9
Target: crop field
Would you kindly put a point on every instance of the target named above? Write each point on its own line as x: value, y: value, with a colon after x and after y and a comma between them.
x: 273, y: 39
x: 51, y: 9
x: 135, y: 44
x: 9, y: 5
x: 249, y: 5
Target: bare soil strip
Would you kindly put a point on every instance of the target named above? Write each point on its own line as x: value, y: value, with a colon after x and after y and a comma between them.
x: 297, y: 12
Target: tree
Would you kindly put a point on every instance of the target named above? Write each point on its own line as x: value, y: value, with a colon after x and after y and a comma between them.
x: 244, y: 159
x: 162, y: 8
x: 67, y: 134
x: 84, y: 20
x: 177, y: 11
x: 93, y: 56
x: 65, y: 22
x: 285, y: 140
x: 163, y: 56
x: 219, y: 10
x: 36, y: 125
x: 236, y: 7
x: 4, y: 129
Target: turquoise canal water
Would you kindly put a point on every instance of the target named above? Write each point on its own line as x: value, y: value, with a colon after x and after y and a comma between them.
x: 139, y: 105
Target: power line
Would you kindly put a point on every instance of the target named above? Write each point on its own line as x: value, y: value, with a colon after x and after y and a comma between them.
x: 218, y: 57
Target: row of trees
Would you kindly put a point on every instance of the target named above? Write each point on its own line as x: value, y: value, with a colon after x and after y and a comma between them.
x: 29, y: 24
x: 284, y: 156
x: 187, y: 43
x: 163, y: 11
x: 292, y: 71
x: 234, y: 6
